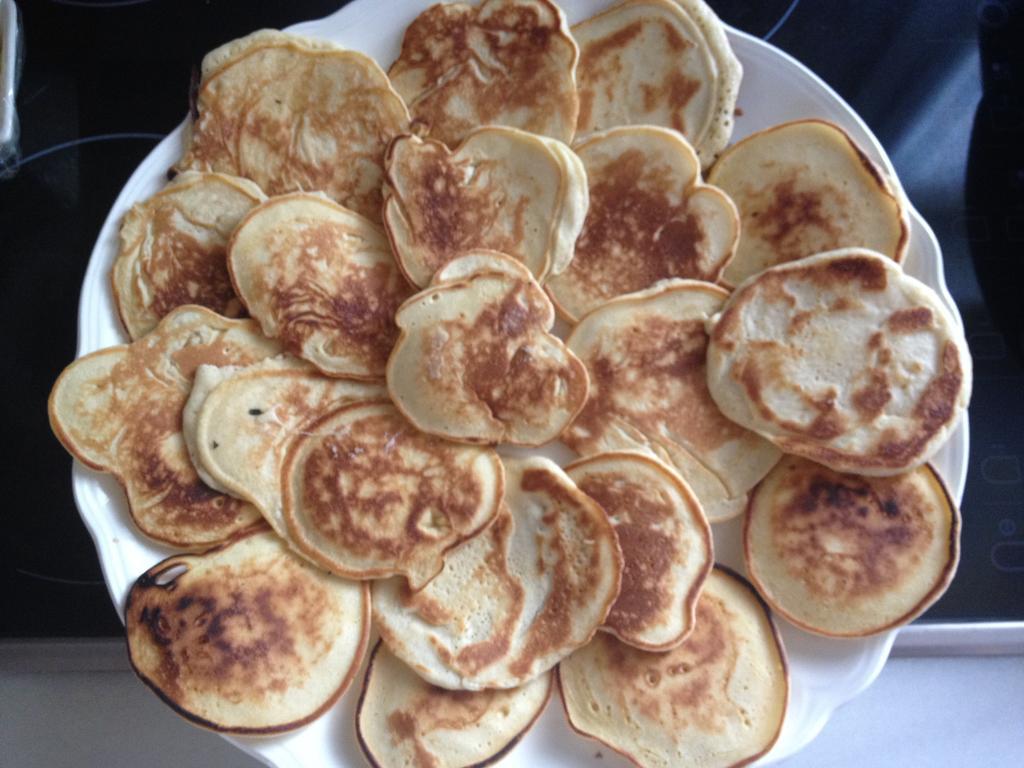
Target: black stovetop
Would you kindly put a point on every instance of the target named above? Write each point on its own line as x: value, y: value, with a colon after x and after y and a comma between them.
x: 103, y: 81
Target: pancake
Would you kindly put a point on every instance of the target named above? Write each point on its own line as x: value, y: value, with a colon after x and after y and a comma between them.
x: 322, y: 280
x: 403, y: 720
x: 172, y: 249
x: 501, y: 189
x: 476, y: 362
x: 650, y: 218
x: 475, y: 262
x: 644, y: 353
x: 843, y: 359
x: 248, y: 638
x: 516, y: 599
x: 119, y: 410
x: 292, y: 113
x: 244, y: 424
x: 716, y: 700
x: 806, y: 187
x: 503, y: 62
x: 846, y: 555
x: 366, y: 495
x: 659, y: 62
x: 206, y: 379
x: 665, y: 541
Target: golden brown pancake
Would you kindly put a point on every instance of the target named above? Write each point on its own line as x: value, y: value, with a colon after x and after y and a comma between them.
x: 659, y: 62
x: 248, y: 638
x: 173, y: 246
x: 404, y: 720
x: 644, y: 353
x: 475, y: 262
x: 847, y: 555
x: 841, y: 358
x: 476, y: 362
x: 650, y: 218
x: 322, y: 280
x: 503, y: 62
x: 292, y: 113
x: 367, y: 495
x: 501, y: 189
x: 665, y: 541
x: 806, y: 187
x: 513, y: 601
x: 716, y: 700
x: 119, y: 410
x: 244, y: 424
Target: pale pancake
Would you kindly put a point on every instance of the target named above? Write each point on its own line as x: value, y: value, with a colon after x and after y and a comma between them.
x: 659, y: 62
x: 650, y: 218
x: 322, y: 280
x: 244, y: 424
x: 476, y: 362
x: 846, y: 555
x: 367, y: 495
x: 205, y: 380
x: 644, y: 353
x: 716, y: 700
x: 172, y: 249
x: 503, y: 62
x: 248, y: 638
x: 292, y: 113
x: 665, y: 541
x: 405, y: 721
x: 516, y: 599
x: 844, y: 359
x: 806, y: 187
x: 475, y: 262
x: 119, y: 410
x: 501, y: 189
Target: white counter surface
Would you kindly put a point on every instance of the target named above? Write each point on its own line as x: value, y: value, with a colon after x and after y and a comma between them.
x: 60, y: 709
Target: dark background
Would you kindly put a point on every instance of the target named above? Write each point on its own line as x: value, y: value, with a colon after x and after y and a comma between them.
x: 91, y: 69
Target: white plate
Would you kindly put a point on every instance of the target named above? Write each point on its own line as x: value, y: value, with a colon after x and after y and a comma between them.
x: 825, y: 673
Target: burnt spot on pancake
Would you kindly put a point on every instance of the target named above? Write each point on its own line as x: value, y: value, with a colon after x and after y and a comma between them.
x: 849, y: 538
x: 871, y: 399
x: 910, y: 320
x: 354, y: 317
x: 640, y: 228
x: 649, y: 548
x: 652, y: 377
x: 505, y: 62
x: 797, y: 221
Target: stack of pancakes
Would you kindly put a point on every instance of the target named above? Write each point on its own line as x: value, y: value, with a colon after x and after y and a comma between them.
x: 380, y: 258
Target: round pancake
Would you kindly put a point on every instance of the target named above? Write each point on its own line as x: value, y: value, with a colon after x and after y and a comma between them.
x: 367, y: 495
x: 173, y: 246
x: 501, y: 189
x: 659, y: 62
x: 806, y: 187
x: 716, y: 700
x: 644, y: 353
x: 650, y: 218
x: 243, y: 425
x: 322, y: 280
x: 248, y: 638
x: 476, y: 362
x: 843, y: 359
x: 503, y: 62
x: 847, y: 555
x: 405, y: 721
x: 475, y: 262
x: 292, y: 113
x: 665, y: 541
x: 119, y: 410
x: 513, y: 601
